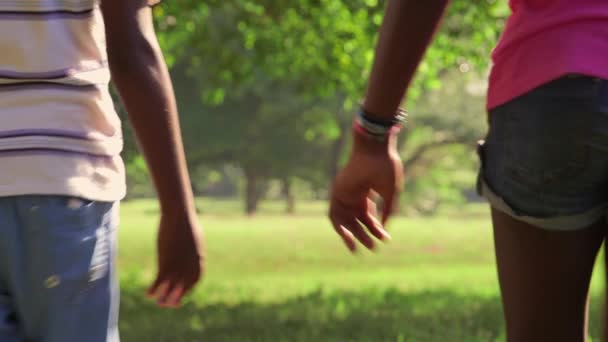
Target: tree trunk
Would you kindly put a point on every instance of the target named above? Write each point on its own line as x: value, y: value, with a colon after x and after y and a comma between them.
x: 290, y: 199
x: 252, y: 197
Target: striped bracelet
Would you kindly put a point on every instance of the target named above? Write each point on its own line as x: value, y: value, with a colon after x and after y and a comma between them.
x: 377, y: 129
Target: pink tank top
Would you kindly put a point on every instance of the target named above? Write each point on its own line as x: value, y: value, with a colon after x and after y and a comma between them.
x: 547, y: 39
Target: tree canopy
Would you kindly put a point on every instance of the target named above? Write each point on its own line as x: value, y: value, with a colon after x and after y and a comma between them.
x: 269, y: 86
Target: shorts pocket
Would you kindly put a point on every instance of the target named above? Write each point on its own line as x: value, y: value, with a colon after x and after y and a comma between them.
x: 64, y: 213
x: 71, y: 241
x: 545, y: 165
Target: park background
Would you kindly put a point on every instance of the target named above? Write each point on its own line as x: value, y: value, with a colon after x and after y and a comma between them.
x: 267, y: 90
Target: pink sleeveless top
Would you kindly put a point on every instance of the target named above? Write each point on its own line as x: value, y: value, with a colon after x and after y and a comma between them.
x: 546, y: 39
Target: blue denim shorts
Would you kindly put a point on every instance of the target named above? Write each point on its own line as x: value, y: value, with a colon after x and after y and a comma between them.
x: 57, y: 276
x: 545, y: 158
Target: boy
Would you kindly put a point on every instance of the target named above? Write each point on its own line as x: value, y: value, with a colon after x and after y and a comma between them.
x: 61, y: 175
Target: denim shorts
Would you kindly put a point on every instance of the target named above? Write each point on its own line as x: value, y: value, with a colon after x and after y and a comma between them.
x: 545, y: 158
x: 57, y: 276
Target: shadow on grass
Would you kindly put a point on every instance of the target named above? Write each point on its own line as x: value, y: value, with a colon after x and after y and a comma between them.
x: 376, y: 315
x: 387, y: 315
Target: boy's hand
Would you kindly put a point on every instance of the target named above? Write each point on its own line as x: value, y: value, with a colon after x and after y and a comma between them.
x: 143, y: 81
x: 373, y: 167
x: 180, y: 260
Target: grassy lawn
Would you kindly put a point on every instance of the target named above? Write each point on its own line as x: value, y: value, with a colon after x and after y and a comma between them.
x: 288, y: 278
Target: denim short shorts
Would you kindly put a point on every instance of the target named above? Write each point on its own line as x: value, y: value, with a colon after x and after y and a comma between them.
x: 57, y: 275
x: 545, y: 158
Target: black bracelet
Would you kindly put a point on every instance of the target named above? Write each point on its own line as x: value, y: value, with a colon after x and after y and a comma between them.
x: 375, y: 126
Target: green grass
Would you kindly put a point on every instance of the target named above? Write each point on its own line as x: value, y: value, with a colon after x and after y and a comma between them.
x: 288, y: 278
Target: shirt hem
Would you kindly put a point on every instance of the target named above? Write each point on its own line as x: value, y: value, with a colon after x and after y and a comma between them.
x: 98, y: 194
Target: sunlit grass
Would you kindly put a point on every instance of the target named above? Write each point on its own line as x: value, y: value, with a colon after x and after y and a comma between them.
x: 288, y: 278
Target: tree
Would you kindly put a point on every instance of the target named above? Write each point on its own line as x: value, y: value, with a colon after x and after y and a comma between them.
x: 438, y: 146
x: 262, y: 135
x: 271, y: 84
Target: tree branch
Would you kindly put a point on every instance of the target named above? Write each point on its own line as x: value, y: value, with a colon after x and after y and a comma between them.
x: 421, y: 150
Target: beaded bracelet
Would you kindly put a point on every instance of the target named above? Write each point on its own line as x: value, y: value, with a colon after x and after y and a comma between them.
x: 377, y: 129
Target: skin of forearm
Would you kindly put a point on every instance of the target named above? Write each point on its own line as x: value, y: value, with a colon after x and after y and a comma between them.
x: 406, y: 32
x: 143, y: 81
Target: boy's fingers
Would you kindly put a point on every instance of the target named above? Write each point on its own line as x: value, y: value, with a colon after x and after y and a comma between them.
x: 374, y: 227
x: 160, y: 290
x: 189, y: 285
x: 153, y: 288
x: 355, y: 228
x: 372, y: 208
x: 172, y: 297
x: 347, y: 236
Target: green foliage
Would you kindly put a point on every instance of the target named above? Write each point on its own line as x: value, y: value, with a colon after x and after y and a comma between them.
x: 139, y: 183
x: 217, y: 182
x: 270, y: 86
x: 438, y: 145
x: 275, y: 135
x: 468, y: 33
x: 323, y: 46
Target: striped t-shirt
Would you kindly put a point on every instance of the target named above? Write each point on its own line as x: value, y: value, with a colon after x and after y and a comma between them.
x: 59, y: 132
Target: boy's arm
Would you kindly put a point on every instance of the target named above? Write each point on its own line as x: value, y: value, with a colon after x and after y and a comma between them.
x: 406, y: 32
x: 142, y: 79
